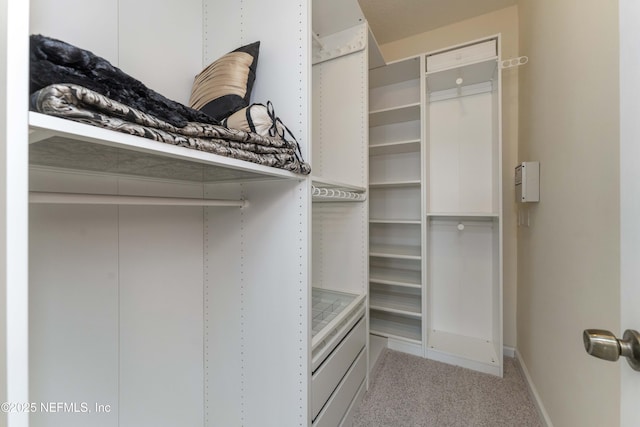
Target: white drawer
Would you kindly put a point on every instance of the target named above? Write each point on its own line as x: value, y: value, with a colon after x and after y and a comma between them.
x: 464, y: 55
x: 325, y: 380
x: 347, y: 421
x: 342, y: 401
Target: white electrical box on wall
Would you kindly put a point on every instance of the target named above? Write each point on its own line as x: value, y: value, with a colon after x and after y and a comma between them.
x: 528, y: 182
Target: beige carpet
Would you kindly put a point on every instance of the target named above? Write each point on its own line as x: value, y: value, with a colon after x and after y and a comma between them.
x: 408, y: 391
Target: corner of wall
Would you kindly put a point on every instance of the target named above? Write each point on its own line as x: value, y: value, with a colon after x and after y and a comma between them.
x: 533, y: 393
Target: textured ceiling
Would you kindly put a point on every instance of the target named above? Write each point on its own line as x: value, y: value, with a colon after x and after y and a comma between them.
x: 392, y: 20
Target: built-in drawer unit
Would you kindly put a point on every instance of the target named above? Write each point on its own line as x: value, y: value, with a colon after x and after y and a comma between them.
x: 346, y: 396
x: 326, y: 380
x: 334, y: 315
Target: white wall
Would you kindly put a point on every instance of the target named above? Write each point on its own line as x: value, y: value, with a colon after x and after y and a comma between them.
x: 504, y: 21
x: 134, y: 35
x: 568, y: 260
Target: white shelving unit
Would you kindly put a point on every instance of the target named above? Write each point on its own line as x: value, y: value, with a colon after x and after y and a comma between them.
x: 436, y: 205
x: 172, y: 285
x: 396, y: 276
x: 340, y: 218
x: 395, y: 182
x: 464, y: 206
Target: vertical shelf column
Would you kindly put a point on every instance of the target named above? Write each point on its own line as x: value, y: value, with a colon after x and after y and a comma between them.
x: 339, y: 214
x: 396, y: 211
x: 464, y: 206
x: 14, y: 335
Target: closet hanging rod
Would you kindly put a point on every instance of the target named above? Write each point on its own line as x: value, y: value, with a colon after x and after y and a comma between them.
x: 337, y: 195
x: 107, y: 199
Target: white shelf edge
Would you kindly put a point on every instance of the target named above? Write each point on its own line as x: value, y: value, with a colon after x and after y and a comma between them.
x: 395, y: 147
x: 390, y: 184
x: 394, y: 256
x: 466, y: 64
x: 395, y: 283
x: 395, y: 143
x: 55, y: 126
x: 329, y: 183
x: 396, y: 221
x: 394, y: 336
x: 396, y: 277
x: 320, y: 336
x: 406, y: 313
x: 411, y: 105
x: 464, y: 214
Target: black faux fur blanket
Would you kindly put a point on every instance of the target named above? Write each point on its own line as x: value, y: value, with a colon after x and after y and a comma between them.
x: 54, y: 61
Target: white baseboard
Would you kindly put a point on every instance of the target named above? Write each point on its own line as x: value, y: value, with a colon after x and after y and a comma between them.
x: 405, y: 347
x: 544, y: 417
x: 509, y: 352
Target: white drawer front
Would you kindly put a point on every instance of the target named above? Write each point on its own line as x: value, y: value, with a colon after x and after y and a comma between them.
x: 462, y: 56
x: 327, y: 377
x: 348, y: 390
x: 347, y: 421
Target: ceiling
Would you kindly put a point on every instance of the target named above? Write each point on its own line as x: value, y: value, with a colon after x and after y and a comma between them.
x: 392, y: 20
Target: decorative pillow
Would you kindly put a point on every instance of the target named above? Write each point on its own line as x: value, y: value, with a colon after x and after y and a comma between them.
x: 225, y: 85
x: 262, y: 120
x: 256, y: 118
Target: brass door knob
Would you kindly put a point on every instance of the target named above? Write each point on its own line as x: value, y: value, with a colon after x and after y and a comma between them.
x: 604, y: 345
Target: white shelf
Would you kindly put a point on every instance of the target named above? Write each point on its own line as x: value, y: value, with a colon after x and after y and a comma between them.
x: 474, y: 73
x: 395, y: 251
x: 395, y: 301
x: 65, y: 144
x: 402, y: 133
x: 396, y: 147
x: 395, y: 221
x: 470, y: 348
x: 398, y: 327
x: 332, y: 184
x: 394, y: 95
x: 396, y: 277
x: 401, y: 113
x: 408, y: 69
x: 395, y: 184
x: 463, y: 215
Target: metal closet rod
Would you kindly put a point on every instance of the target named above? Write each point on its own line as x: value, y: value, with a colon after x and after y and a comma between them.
x: 338, y: 195
x: 106, y: 199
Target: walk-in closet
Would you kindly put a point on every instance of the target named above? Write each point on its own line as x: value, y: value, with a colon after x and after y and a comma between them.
x: 320, y: 213
x: 172, y: 286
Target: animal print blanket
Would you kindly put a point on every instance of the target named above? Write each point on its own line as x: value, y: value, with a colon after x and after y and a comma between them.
x: 80, y: 104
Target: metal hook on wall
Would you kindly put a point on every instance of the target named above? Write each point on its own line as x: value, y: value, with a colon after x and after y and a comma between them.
x: 514, y: 62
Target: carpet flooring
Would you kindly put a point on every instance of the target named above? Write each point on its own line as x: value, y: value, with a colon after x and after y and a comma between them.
x: 409, y: 391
